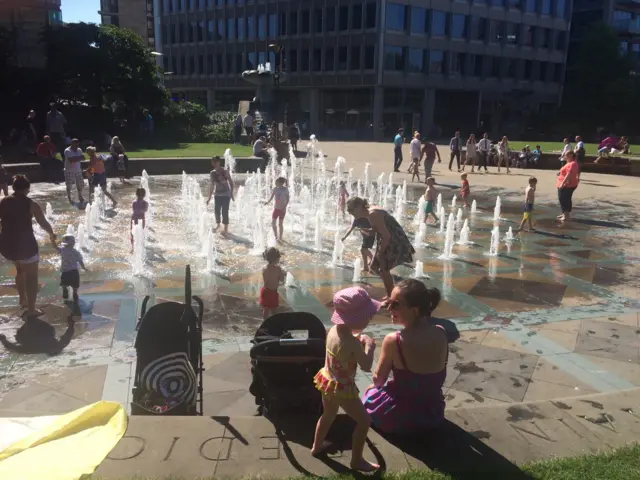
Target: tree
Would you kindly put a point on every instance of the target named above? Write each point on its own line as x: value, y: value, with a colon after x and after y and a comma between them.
x: 103, y: 67
x: 599, y: 90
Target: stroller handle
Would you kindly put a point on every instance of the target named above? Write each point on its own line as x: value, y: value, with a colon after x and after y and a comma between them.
x: 293, y: 341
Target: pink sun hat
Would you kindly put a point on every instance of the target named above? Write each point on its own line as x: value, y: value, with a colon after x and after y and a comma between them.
x: 353, y: 307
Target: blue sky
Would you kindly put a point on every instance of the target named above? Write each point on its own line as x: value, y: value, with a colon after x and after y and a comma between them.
x: 80, y: 11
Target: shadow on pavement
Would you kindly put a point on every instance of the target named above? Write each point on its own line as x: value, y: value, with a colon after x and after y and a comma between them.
x: 460, y: 454
x: 37, y: 336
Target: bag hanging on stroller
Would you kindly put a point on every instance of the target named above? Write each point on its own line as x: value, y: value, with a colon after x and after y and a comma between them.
x: 283, y: 367
x: 168, y: 377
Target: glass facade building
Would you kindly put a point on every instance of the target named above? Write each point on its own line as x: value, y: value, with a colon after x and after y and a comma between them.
x: 360, y: 69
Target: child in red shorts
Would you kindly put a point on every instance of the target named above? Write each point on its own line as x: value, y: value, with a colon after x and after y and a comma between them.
x: 281, y: 195
x: 273, y: 275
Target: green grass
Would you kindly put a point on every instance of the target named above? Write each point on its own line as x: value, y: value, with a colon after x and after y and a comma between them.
x: 620, y: 464
x: 189, y: 150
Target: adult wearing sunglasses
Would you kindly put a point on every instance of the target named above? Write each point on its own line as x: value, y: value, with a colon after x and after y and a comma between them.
x: 393, y: 248
x: 417, y: 355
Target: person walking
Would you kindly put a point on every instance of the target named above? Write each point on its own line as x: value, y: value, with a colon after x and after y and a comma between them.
x: 429, y: 151
x: 503, y: 153
x: 73, y: 157
x: 471, y: 153
x: 415, y: 147
x: 46, y: 152
x: 18, y: 243
x: 116, y: 150
x: 294, y: 136
x: 237, y: 129
x: 221, y: 189
x: 247, y: 122
x: 484, y: 147
x: 456, y: 146
x: 568, y: 180
x: 55, y: 126
x: 397, y: 150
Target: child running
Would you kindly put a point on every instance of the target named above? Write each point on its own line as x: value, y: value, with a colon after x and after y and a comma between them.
x: 430, y: 197
x: 139, y: 207
x: 71, y: 259
x: 272, y: 275
x: 122, y: 169
x: 368, y: 239
x: 465, y: 190
x: 346, y: 349
x: 529, y: 200
x: 343, y: 195
x: 281, y: 195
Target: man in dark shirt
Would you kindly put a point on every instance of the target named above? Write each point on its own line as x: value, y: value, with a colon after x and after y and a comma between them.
x: 456, y: 147
x: 429, y: 151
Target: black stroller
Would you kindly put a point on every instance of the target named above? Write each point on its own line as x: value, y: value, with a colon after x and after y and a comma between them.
x: 168, y: 378
x: 283, y: 367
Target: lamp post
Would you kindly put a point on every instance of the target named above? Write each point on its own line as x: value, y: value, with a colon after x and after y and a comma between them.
x: 277, y: 49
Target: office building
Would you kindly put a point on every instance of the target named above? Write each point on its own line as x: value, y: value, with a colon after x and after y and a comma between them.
x: 136, y: 15
x: 622, y: 15
x: 360, y: 68
x: 25, y: 20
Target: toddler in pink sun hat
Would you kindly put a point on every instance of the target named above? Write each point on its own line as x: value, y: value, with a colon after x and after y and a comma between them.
x: 346, y: 349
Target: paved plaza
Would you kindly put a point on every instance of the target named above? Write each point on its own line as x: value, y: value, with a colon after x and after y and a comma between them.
x: 553, y: 317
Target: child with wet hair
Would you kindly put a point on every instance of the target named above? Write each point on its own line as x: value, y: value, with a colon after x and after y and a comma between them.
x: 281, y: 195
x: 272, y: 275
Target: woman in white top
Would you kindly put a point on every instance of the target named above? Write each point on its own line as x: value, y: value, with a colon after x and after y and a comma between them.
x: 503, y: 153
x: 471, y: 153
x: 567, y: 148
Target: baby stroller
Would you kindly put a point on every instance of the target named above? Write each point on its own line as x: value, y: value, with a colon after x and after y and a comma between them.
x: 168, y: 378
x: 283, y: 367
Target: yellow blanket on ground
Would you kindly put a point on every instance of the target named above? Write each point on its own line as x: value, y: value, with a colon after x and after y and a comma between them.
x: 63, y: 447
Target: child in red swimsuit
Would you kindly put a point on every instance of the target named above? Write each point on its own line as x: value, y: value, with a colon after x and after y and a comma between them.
x: 465, y: 191
x: 273, y: 275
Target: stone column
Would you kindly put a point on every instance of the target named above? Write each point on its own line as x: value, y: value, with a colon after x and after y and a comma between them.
x: 314, y: 111
x: 378, y: 108
x: 428, y: 111
x: 211, y: 99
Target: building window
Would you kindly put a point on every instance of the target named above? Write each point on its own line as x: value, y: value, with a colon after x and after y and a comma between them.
x: 192, y: 4
x: 283, y: 23
x: 458, y: 26
x: 497, y: 3
x: 210, y: 31
x: 201, y: 4
x: 165, y: 36
x: 181, y: 35
x: 514, y: 4
x: 416, y: 60
x: 304, y: 28
x: 561, y: 40
x: 356, y: 17
x: 494, y: 67
x: 219, y: 64
x: 546, y: 7
x: 183, y: 66
x: 220, y: 3
x: 165, y: 64
x: 478, y: 65
x: 229, y: 63
x: 543, y: 71
x: 498, y: 31
x: 221, y: 29
x: 355, y: 58
x: 546, y: 38
x: 240, y: 28
x: 369, y: 57
x: 172, y: 33
x: 273, y: 25
x: 558, y: 73
x: 252, y: 60
x: 418, y: 20
x: 370, y: 15
x: 529, y: 36
x: 457, y: 63
x: 561, y: 8
x: 201, y: 64
x: 262, y: 26
x: 436, y: 61
x: 191, y: 32
x: 530, y: 6
x: 292, y: 60
x: 317, y: 17
x: 329, y: 59
x: 512, y: 33
x: 343, y: 18
x: 317, y: 60
x: 305, y: 61
x: 231, y: 28
x: 511, y: 68
x: 251, y: 27
x: 166, y: 6
x: 438, y: 23
x: 480, y: 31
x: 262, y: 58
x: 174, y: 65
x: 393, y: 58
x: 293, y: 26
x: 527, y: 69
x: 396, y: 17
x: 342, y: 58
x: 330, y: 19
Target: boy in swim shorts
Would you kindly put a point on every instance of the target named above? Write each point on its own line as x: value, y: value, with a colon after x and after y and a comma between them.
x: 430, y: 196
x: 529, y: 200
